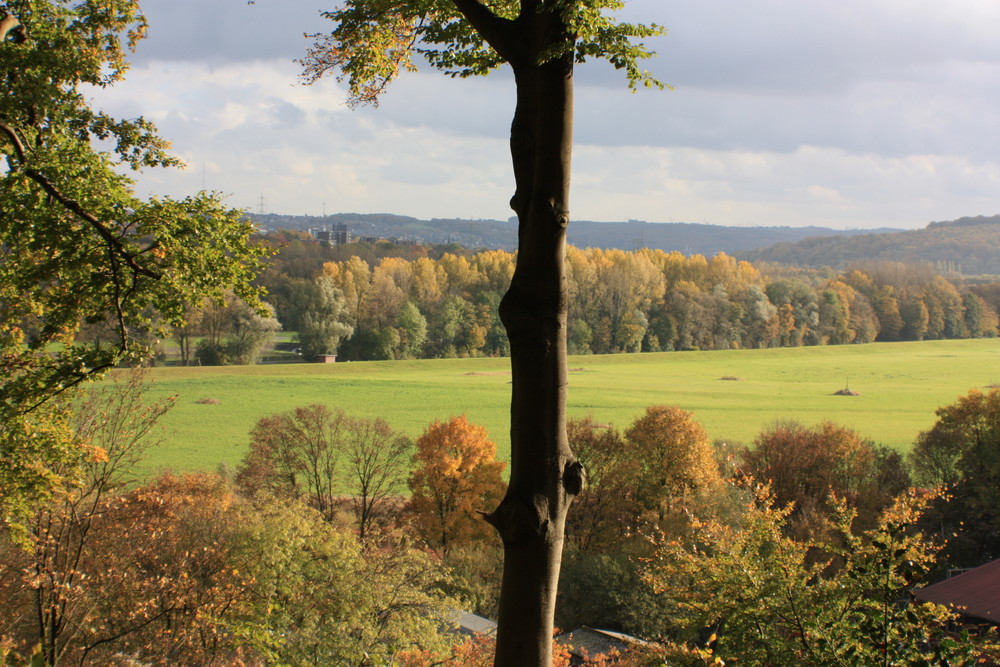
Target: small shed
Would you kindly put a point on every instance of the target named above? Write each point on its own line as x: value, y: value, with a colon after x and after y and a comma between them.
x: 471, y: 625
x: 325, y: 358
x: 974, y: 593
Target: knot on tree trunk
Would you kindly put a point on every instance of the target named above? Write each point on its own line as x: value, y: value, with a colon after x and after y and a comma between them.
x: 519, y: 521
x: 558, y: 213
x: 574, y: 478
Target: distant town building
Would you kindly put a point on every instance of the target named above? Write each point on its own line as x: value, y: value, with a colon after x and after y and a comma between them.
x: 338, y: 235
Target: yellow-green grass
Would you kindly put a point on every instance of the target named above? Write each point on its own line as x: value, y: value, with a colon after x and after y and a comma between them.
x: 900, y: 387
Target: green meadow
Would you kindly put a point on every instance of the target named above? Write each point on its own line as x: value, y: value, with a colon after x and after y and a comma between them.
x: 900, y: 385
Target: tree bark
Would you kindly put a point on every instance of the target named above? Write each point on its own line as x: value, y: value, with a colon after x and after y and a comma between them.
x: 10, y: 25
x: 544, y: 475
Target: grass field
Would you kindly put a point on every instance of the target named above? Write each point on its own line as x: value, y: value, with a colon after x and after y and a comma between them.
x: 900, y: 386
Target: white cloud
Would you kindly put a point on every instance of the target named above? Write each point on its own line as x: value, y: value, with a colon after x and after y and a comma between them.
x: 813, y: 185
x: 851, y: 114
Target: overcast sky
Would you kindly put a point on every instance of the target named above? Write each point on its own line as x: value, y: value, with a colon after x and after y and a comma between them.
x: 847, y: 114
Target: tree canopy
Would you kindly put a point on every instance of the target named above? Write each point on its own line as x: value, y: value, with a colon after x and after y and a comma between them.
x: 374, y: 41
x: 78, y: 245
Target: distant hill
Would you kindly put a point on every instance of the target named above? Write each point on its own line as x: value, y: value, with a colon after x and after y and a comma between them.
x: 689, y: 238
x: 969, y: 246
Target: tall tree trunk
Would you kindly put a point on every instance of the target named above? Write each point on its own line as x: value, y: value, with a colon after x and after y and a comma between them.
x: 544, y: 475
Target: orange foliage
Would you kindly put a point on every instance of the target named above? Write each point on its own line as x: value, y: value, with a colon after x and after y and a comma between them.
x: 166, y: 557
x: 151, y: 581
x: 456, y: 477
x: 802, y: 465
x: 477, y: 651
x: 805, y: 465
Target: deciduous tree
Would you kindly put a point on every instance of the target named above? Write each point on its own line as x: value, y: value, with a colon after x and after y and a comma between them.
x: 323, y: 319
x: 78, y: 244
x: 962, y: 451
x: 804, y: 466
x: 297, y: 454
x: 456, y: 478
x: 113, y: 425
x: 675, y: 455
x: 376, y: 460
x: 608, y: 510
x: 541, y: 40
x: 321, y: 455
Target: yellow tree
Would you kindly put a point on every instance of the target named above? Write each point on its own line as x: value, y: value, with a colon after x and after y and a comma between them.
x: 676, y: 455
x: 382, y: 302
x: 495, y: 267
x: 456, y: 479
x: 353, y: 278
x: 401, y: 271
x: 464, y: 278
x: 429, y: 280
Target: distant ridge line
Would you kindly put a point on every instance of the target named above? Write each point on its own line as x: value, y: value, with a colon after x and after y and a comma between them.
x: 686, y: 237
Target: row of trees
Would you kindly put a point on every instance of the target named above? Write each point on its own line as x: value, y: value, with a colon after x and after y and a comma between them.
x: 646, y: 300
x: 312, y: 554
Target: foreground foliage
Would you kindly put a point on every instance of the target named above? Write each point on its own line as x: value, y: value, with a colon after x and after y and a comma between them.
x: 185, y: 572
x: 79, y: 246
x: 962, y: 451
x: 749, y: 593
x: 194, y: 570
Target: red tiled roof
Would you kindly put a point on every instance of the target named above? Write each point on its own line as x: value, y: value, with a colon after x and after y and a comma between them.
x: 973, y: 593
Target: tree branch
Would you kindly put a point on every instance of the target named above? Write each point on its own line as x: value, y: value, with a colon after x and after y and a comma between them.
x: 9, y: 24
x: 114, y: 244
x: 494, y: 29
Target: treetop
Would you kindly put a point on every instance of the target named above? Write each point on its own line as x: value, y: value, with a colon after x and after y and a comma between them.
x: 374, y: 41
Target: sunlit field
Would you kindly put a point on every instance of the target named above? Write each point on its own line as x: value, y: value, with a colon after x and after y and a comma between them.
x: 900, y: 385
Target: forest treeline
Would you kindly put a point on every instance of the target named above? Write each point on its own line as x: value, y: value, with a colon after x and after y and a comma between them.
x: 338, y: 541
x: 386, y: 301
